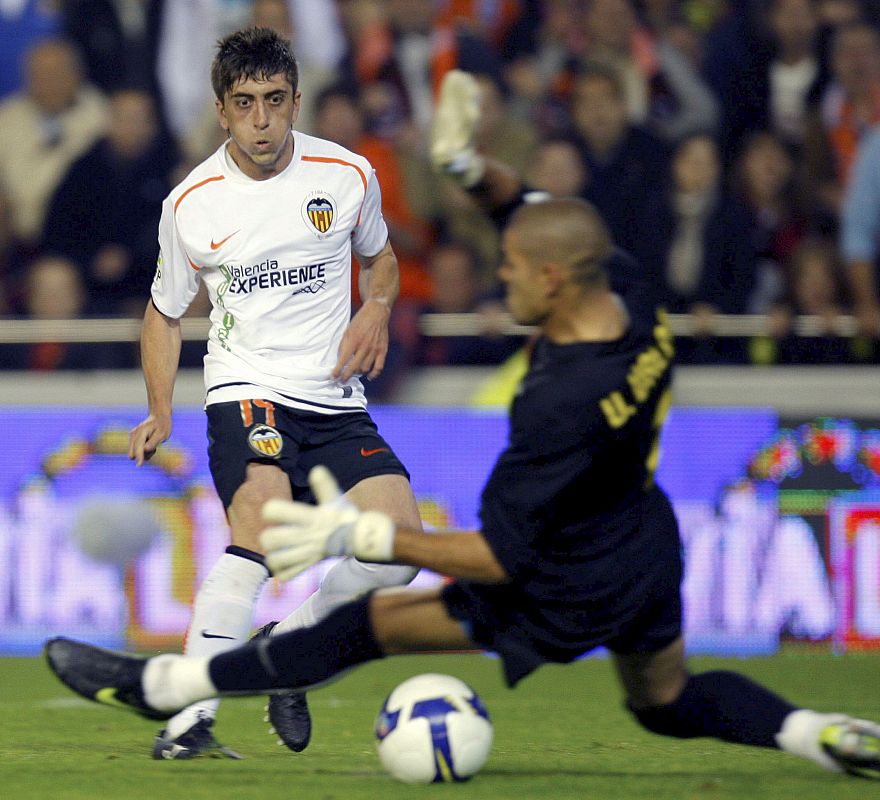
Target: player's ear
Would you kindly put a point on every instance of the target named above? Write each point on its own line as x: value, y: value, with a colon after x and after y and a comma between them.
x: 221, y: 115
x: 297, y: 98
x: 553, y: 276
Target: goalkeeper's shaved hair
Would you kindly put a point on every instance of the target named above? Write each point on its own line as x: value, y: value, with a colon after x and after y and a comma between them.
x: 567, y: 231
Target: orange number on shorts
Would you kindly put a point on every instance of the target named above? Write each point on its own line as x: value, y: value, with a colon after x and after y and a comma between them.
x: 247, y: 411
x: 270, y: 411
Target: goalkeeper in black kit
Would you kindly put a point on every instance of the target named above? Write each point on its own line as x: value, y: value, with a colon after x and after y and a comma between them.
x: 578, y: 547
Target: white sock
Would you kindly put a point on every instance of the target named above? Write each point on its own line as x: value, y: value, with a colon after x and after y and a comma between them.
x: 223, y: 614
x: 171, y: 681
x: 345, y: 580
x: 800, y: 736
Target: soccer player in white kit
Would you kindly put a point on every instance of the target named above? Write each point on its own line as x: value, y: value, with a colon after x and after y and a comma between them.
x: 268, y: 223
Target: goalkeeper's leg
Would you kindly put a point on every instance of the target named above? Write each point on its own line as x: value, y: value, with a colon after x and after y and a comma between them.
x: 666, y: 699
x: 375, y: 625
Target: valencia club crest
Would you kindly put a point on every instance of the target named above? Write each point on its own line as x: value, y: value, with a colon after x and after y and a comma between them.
x: 319, y: 212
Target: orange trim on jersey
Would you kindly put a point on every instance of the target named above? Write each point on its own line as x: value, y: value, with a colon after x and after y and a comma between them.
x: 192, y: 263
x: 196, y: 186
x: 328, y: 160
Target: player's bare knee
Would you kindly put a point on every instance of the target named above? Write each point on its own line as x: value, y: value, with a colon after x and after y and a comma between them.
x: 390, y: 494
x: 262, y: 482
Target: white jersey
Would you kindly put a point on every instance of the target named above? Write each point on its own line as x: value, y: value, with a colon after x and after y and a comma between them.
x: 275, y: 257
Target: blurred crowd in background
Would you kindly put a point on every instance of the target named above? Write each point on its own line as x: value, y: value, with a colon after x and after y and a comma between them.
x: 729, y: 144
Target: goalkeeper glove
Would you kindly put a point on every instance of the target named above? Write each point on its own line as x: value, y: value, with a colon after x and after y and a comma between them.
x: 304, y: 534
x: 454, y: 129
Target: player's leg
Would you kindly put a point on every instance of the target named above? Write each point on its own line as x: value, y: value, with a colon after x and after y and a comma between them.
x: 391, y: 493
x: 386, y: 622
x: 667, y: 699
x: 349, y: 578
x: 223, y: 607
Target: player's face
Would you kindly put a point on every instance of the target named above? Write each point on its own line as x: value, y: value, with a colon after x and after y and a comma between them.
x: 258, y: 115
x: 527, y: 296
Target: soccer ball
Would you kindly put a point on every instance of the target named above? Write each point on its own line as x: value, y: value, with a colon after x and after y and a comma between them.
x: 433, y: 728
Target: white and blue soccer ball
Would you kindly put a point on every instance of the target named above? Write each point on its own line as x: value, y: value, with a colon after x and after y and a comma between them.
x: 433, y: 728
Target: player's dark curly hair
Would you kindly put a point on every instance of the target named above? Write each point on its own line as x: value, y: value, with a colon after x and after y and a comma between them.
x: 252, y: 53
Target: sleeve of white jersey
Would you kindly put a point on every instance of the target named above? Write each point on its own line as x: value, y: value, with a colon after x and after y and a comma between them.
x: 371, y: 232
x: 176, y: 282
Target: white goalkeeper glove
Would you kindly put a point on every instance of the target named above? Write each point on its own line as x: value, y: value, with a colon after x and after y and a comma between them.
x: 454, y: 129
x: 304, y: 534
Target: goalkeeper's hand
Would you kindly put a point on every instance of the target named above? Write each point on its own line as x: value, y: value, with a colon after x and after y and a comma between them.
x: 453, y: 136
x: 303, y: 534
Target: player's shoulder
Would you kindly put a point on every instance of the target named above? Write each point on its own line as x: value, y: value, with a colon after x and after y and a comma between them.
x: 210, y: 170
x: 318, y: 151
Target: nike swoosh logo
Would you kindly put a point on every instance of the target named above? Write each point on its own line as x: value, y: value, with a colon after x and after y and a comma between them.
x: 366, y: 453
x: 206, y: 635
x: 218, y: 245
x: 107, y: 696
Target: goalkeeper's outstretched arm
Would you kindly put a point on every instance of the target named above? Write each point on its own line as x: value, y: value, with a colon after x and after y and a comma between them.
x: 464, y: 555
x: 299, y: 535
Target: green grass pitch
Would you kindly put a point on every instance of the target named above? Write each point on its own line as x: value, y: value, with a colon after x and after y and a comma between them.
x: 562, y: 734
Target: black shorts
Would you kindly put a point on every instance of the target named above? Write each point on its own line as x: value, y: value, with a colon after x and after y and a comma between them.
x: 246, y: 431
x: 638, y: 609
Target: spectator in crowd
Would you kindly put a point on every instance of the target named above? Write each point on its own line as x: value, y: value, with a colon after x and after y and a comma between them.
x: 458, y: 290
x: 625, y: 162
x: 860, y: 235
x: 739, y: 45
x: 43, y: 129
x: 22, y: 25
x: 700, y: 240
x: 558, y: 168
x: 537, y: 54
x: 188, y: 32
x: 663, y: 91
x: 849, y: 107
x: 795, y: 74
x: 777, y: 77
x: 682, y: 24
x: 53, y: 290
x: 117, y: 41
x: 338, y: 117
x: 398, y: 52
x: 492, y: 22
x: 816, y: 290
x: 764, y: 178
x: 10, y: 272
x: 105, y: 212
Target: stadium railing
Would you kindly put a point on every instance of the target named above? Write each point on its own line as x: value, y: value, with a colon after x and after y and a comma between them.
x: 17, y: 331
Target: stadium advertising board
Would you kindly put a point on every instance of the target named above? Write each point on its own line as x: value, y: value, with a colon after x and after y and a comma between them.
x: 780, y: 522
